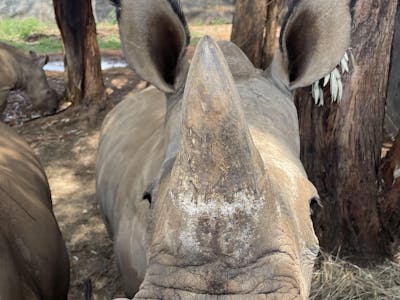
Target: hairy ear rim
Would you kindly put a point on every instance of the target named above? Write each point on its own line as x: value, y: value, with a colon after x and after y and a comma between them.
x: 154, y: 41
x: 313, y: 40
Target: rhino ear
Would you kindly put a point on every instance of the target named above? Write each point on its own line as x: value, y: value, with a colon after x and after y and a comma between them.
x: 33, y: 54
x: 314, y: 37
x: 40, y: 60
x: 154, y: 36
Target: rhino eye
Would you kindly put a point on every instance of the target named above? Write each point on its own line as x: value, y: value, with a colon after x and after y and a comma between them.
x: 315, y: 202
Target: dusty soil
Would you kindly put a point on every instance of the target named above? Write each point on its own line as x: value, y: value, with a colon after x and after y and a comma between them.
x: 67, y: 150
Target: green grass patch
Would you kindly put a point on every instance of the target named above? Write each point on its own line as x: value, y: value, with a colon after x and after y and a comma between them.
x: 32, y: 34
x: 216, y: 21
x: 108, y: 36
x: 19, y: 29
x: 109, y: 43
x: 44, y: 45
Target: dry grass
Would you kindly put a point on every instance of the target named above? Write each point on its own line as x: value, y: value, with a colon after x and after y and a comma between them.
x: 338, y: 279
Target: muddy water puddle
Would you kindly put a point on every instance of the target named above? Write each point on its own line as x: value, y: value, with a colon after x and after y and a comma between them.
x: 106, y: 63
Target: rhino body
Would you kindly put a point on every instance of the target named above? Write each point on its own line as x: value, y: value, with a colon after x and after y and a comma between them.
x: 199, y: 178
x: 34, y: 262
x: 24, y: 71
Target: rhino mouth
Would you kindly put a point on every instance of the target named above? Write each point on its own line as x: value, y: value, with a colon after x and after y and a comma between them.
x: 274, y: 275
x: 174, y: 295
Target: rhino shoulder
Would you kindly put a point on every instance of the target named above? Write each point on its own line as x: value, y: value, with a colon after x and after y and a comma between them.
x: 239, y: 64
x: 8, y: 70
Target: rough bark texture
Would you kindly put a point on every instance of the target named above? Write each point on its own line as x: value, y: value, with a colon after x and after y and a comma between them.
x: 248, y: 28
x: 341, y: 143
x: 276, y: 10
x: 82, y: 55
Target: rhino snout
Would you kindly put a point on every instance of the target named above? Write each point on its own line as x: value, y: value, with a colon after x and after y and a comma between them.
x: 47, y: 102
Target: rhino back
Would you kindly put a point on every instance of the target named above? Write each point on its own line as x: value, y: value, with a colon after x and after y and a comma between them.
x: 272, y: 118
x: 268, y: 106
x: 19, y: 166
x: 130, y: 151
x: 28, y: 225
x: 9, y: 70
x: 239, y: 64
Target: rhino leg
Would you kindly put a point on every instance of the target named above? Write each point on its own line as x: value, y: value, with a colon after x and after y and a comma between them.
x: 3, y: 100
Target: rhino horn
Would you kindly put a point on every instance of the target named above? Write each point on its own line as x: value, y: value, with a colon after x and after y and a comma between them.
x: 216, y: 147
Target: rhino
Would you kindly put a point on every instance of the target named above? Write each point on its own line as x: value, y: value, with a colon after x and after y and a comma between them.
x: 20, y: 70
x: 34, y: 261
x: 198, y: 177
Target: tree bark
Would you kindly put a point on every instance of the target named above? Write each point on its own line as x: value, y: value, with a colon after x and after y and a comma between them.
x: 248, y: 28
x: 392, y: 118
x: 82, y: 55
x: 276, y: 11
x: 341, y: 143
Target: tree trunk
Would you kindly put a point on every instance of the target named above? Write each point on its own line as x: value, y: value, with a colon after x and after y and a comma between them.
x: 248, y: 28
x: 392, y: 118
x: 341, y: 143
x: 82, y: 55
x: 276, y: 11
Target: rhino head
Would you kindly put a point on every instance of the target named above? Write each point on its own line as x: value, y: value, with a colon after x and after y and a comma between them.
x: 42, y: 96
x: 230, y: 208
x: 224, y: 223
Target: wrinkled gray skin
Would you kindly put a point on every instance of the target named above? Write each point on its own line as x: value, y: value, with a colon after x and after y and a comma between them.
x: 215, y: 151
x: 24, y: 71
x: 34, y: 261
